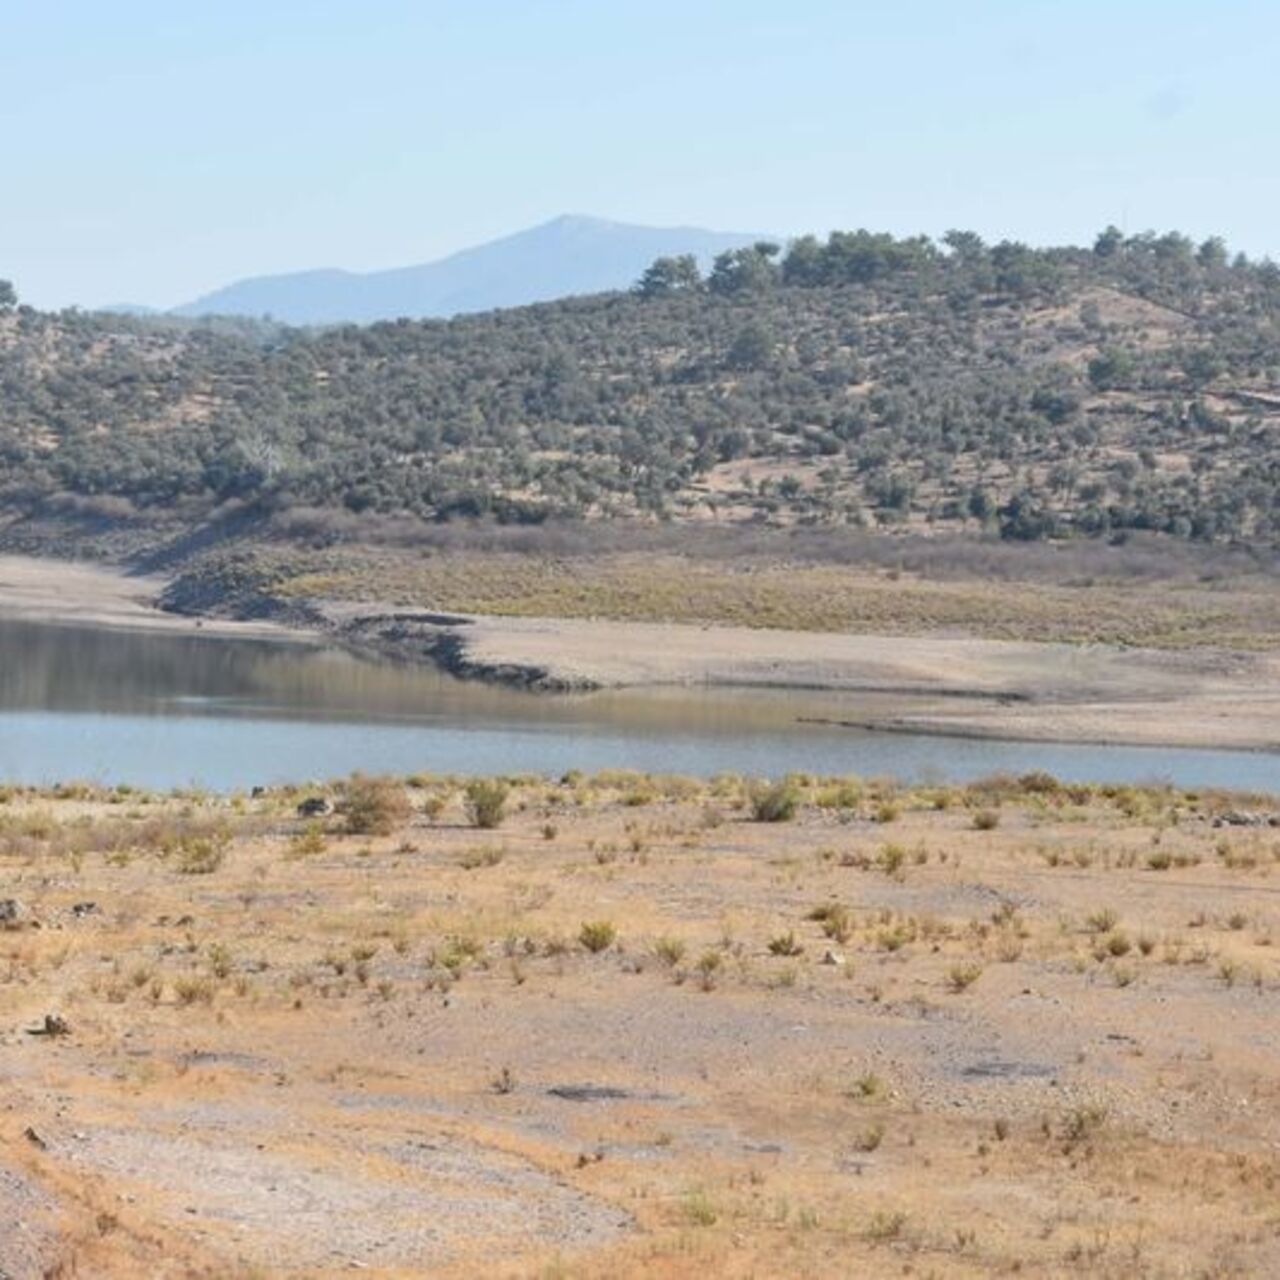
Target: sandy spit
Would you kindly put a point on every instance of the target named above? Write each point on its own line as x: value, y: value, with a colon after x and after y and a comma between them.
x: 955, y: 685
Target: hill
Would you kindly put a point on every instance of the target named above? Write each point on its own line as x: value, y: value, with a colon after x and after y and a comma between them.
x: 569, y: 255
x: 864, y: 382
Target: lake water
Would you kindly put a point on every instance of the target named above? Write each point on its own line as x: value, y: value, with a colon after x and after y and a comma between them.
x: 164, y: 710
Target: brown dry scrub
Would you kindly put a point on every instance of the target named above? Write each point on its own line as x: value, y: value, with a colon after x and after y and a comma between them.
x: 1031, y: 603
x: 671, y: 1041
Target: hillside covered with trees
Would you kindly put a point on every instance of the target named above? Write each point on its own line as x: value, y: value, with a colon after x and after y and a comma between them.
x: 858, y: 381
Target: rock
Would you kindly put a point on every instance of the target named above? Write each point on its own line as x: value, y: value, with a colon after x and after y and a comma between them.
x: 34, y: 1138
x: 82, y: 909
x: 11, y: 913
x: 258, y: 792
x: 315, y: 807
x: 54, y: 1025
x: 832, y: 957
x: 587, y: 1092
x: 1245, y: 818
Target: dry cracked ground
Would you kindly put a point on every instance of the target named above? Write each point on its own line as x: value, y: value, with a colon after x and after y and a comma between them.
x: 635, y: 1030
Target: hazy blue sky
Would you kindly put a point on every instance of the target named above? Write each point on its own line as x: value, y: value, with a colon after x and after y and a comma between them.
x: 153, y: 149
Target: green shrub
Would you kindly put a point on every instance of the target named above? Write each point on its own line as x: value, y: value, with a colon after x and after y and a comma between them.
x: 839, y: 795
x: 597, y: 935
x: 485, y: 801
x: 891, y: 859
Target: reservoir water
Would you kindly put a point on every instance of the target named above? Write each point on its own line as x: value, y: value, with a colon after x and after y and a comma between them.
x: 163, y: 710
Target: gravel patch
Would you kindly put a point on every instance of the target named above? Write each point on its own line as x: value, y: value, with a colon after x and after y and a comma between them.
x: 413, y: 1204
x: 28, y: 1244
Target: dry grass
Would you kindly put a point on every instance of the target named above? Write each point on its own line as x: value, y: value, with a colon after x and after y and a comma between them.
x: 817, y: 1052
x: 776, y: 593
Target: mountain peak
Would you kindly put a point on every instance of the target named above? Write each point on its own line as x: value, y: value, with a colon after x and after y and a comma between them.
x: 573, y: 253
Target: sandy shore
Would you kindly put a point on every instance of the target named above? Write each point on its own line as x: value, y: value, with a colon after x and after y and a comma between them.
x: 947, y: 684
x: 60, y: 591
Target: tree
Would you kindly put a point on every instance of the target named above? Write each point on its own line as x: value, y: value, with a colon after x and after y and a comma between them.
x: 805, y: 262
x: 1109, y: 242
x: 1173, y: 247
x: 1025, y: 519
x: 8, y: 296
x: 1212, y: 253
x: 1110, y: 369
x: 745, y: 270
x: 1202, y: 365
x: 1056, y: 403
x: 1021, y: 272
x: 665, y: 276
x: 751, y: 349
x: 968, y: 249
x: 981, y: 505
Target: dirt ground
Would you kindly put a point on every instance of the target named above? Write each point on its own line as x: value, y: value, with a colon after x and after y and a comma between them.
x: 62, y: 591
x: 634, y: 1031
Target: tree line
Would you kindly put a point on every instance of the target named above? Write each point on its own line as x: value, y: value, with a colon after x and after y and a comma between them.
x: 862, y: 380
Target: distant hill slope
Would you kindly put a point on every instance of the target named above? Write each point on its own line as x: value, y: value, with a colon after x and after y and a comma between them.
x: 867, y: 383
x: 569, y: 255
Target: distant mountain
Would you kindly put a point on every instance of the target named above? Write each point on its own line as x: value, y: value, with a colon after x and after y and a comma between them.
x: 129, y: 309
x: 568, y: 255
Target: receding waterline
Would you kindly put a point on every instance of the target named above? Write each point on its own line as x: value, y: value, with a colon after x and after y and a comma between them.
x: 166, y: 711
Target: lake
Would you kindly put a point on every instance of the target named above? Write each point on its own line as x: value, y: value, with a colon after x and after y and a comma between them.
x: 162, y: 710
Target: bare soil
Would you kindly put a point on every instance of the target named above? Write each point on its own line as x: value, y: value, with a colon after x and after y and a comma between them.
x: 59, y: 591
x: 1013, y: 1028
x: 946, y: 684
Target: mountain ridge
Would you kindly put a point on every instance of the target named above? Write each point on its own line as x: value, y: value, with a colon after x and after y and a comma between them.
x: 568, y: 255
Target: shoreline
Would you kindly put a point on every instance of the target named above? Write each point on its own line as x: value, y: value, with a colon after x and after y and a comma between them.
x: 946, y: 686
x: 78, y: 594
x: 939, y: 685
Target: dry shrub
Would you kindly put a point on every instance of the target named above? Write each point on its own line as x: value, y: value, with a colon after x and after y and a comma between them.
x: 374, y: 806
x: 776, y: 802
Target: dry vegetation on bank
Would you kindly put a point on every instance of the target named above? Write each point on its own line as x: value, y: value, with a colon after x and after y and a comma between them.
x: 1169, y: 613
x: 640, y: 1026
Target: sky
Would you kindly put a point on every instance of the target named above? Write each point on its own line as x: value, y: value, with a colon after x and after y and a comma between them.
x: 151, y: 151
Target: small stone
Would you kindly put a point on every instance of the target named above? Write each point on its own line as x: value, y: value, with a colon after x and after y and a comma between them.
x: 832, y: 957
x: 54, y: 1025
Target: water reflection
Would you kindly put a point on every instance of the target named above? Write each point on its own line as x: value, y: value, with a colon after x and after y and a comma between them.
x: 167, y: 710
